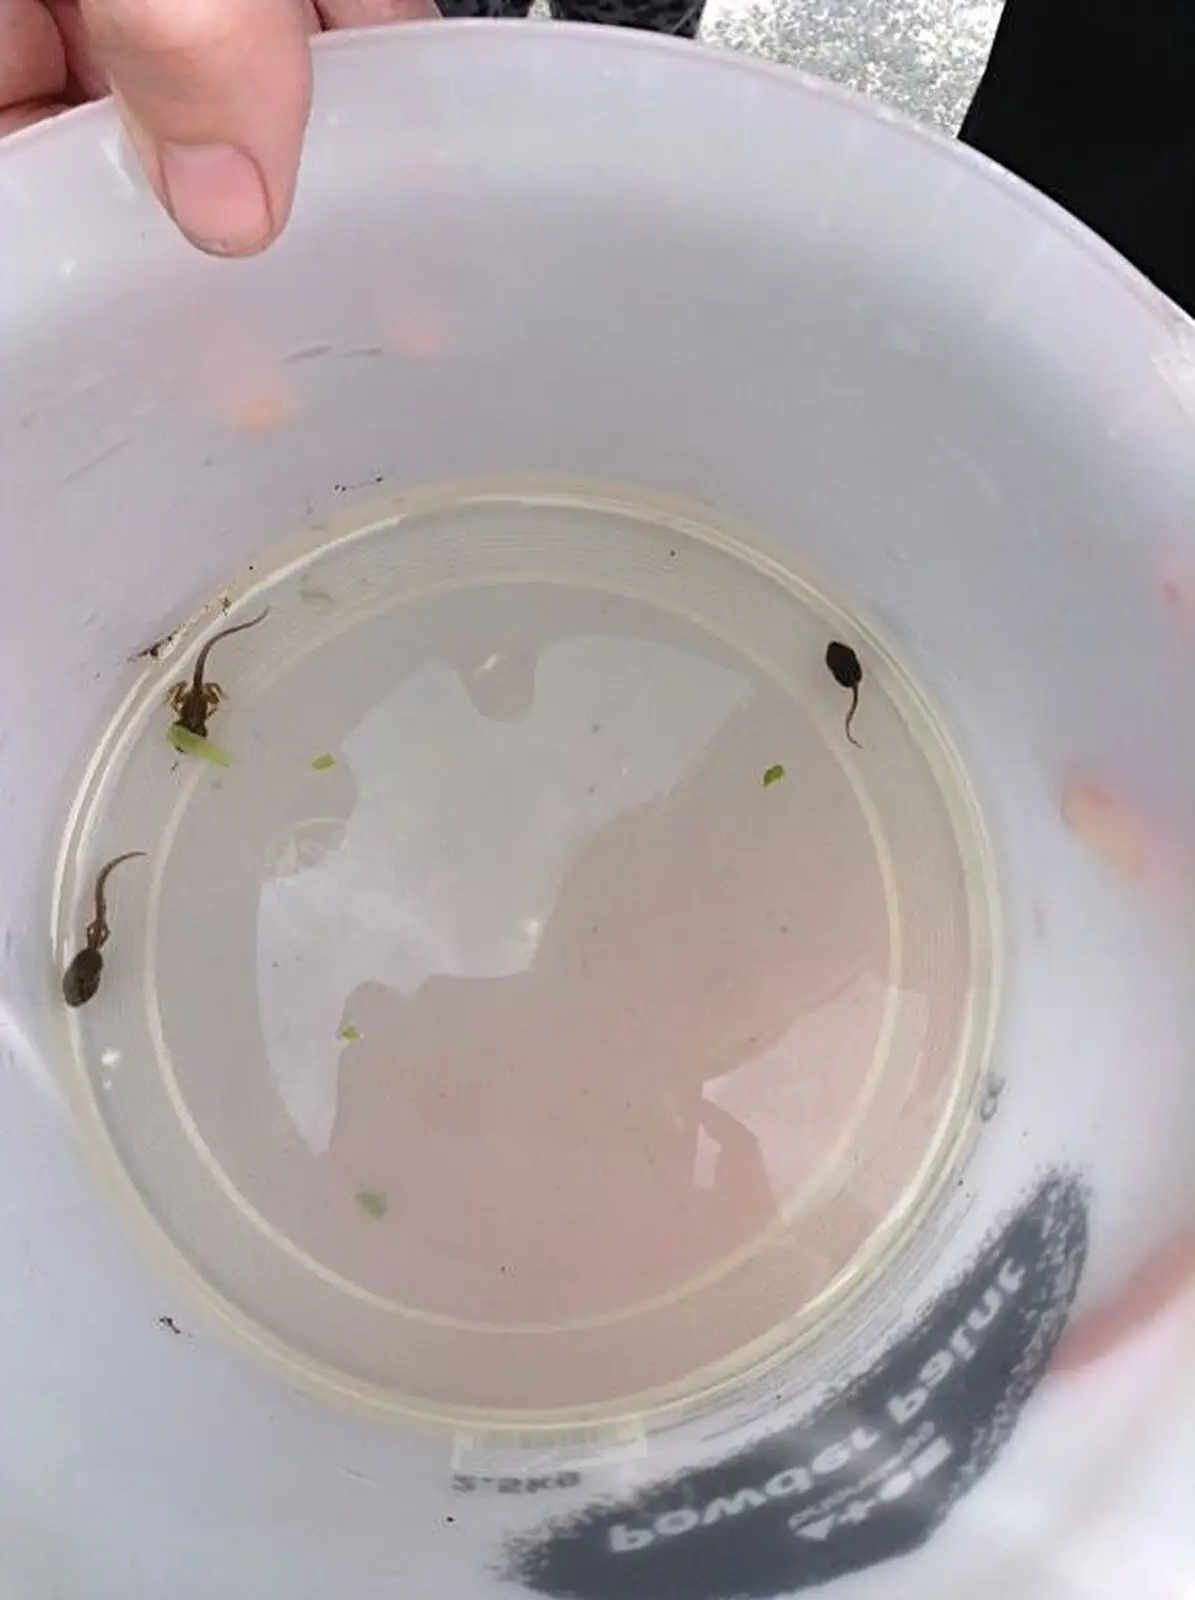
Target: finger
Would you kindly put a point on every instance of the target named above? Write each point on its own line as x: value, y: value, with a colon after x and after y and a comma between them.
x: 18, y: 117
x: 32, y: 59
x: 215, y: 95
x: 368, y: 13
x: 86, y: 79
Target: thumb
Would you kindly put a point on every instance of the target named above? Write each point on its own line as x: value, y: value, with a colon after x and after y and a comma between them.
x: 215, y: 96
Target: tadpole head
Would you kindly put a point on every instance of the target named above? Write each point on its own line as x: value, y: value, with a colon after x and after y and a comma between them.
x: 843, y: 665
x: 82, y: 978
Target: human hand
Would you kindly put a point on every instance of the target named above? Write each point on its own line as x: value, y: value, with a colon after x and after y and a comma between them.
x: 214, y: 93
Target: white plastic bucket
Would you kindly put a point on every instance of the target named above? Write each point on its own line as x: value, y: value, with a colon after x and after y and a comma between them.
x: 761, y: 309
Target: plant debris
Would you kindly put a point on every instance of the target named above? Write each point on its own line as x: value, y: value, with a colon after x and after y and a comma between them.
x: 323, y: 763
x: 191, y: 744
x: 773, y: 775
x: 373, y: 1202
x: 349, y: 1033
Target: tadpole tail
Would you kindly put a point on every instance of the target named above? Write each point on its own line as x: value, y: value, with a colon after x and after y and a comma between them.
x: 850, y: 717
x: 239, y: 627
x: 225, y: 633
x: 110, y: 867
x: 101, y: 884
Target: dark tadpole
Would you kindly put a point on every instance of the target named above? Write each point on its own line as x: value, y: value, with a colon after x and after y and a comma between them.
x: 82, y: 977
x: 847, y: 672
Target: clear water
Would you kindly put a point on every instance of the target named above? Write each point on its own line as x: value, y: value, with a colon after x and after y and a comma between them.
x: 547, y: 1005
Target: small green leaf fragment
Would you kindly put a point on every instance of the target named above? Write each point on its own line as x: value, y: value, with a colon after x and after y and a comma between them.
x: 349, y: 1032
x: 190, y: 744
x: 323, y: 763
x: 373, y: 1202
x: 773, y: 775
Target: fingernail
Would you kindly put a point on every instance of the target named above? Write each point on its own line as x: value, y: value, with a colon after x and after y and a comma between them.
x: 217, y: 197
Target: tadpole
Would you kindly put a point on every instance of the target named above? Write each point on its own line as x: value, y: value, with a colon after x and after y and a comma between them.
x: 194, y: 702
x: 82, y: 977
x: 845, y: 669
